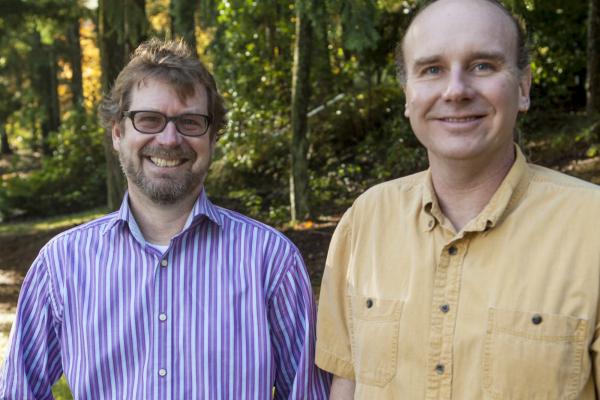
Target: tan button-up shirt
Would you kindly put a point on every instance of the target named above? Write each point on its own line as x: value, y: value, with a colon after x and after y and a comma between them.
x: 507, y: 308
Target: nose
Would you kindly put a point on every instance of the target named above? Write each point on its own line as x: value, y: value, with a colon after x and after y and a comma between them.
x: 458, y: 86
x: 169, y: 136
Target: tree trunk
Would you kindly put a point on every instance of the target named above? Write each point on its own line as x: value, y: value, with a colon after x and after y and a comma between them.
x: 117, y: 39
x: 183, y: 21
x: 75, y: 59
x: 300, y: 100
x: 4, y: 145
x: 112, y: 59
x: 593, y: 58
x: 46, y: 85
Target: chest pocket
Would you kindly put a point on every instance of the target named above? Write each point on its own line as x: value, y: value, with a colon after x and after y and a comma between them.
x: 375, y: 330
x: 533, y: 355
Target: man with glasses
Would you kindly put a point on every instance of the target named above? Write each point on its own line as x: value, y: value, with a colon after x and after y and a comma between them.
x: 170, y: 297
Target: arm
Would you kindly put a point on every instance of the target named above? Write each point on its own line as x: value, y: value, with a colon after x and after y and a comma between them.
x: 292, y: 321
x: 334, y: 324
x: 33, y: 362
x: 342, y: 389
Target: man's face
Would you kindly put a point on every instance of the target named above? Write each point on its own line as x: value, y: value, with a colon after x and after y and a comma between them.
x: 463, y: 87
x: 165, y: 167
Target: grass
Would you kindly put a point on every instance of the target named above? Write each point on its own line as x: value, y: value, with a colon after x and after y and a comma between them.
x: 61, y: 391
x: 46, y: 224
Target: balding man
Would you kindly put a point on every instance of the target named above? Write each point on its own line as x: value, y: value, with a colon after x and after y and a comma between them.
x: 480, y: 277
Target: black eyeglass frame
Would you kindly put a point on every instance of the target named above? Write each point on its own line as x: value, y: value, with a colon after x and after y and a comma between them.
x: 175, y: 118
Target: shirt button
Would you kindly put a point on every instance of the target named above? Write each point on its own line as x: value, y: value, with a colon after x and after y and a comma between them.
x: 369, y: 303
x: 162, y: 372
x: 162, y: 317
x: 430, y: 224
x: 164, y: 262
x: 444, y: 308
x: 439, y: 369
x: 537, y: 319
x: 452, y: 250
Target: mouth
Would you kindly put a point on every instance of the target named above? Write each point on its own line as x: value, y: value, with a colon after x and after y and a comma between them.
x: 166, y: 163
x: 469, y: 118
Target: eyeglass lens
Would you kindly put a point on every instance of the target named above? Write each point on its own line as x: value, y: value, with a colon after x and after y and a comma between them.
x: 154, y: 122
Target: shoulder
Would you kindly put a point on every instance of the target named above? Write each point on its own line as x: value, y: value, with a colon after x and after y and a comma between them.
x: 551, y: 181
x: 396, y: 199
x: 69, y: 238
x: 405, y: 187
x: 248, y: 229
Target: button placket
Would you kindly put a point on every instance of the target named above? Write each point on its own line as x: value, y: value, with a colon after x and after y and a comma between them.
x: 447, y: 280
x: 162, y: 280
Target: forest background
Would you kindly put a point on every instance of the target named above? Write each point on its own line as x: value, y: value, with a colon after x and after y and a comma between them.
x: 315, y: 110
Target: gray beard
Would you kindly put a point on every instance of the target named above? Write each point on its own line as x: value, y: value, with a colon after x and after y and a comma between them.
x: 165, y: 191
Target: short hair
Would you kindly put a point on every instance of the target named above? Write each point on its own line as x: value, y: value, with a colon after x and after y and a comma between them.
x: 522, y: 40
x: 173, y: 63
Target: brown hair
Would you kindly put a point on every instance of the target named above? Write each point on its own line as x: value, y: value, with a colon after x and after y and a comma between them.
x: 171, y: 62
x: 522, y: 44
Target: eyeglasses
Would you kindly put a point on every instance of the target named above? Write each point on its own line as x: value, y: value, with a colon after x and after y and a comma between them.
x: 151, y: 122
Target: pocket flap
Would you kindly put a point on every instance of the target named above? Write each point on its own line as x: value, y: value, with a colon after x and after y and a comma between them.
x: 538, y: 326
x: 374, y: 309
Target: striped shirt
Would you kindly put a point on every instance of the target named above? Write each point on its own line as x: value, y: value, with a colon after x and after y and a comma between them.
x: 226, y: 312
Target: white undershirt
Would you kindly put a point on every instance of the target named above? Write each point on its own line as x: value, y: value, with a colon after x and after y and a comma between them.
x: 160, y: 247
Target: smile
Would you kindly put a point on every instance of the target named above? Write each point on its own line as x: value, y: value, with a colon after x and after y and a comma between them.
x: 460, y: 119
x: 164, y: 163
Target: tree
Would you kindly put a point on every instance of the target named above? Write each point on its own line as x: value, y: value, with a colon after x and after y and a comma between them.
x: 44, y: 73
x: 183, y: 20
x: 74, y: 51
x: 593, y: 59
x: 300, y: 101
x: 119, y: 33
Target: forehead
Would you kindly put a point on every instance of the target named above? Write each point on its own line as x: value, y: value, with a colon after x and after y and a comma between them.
x: 157, y: 94
x: 457, y: 27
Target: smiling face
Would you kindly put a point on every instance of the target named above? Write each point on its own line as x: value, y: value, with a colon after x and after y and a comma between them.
x: 463, y: 88
x: 165, y: 167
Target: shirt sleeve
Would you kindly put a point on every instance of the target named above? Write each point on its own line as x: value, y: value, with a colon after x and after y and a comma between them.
x: 33, y: 361
x: 333, y: 352
x: 292, y: 320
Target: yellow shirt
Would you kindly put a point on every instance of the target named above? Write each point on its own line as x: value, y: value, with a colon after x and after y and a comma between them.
x: 507, y: 308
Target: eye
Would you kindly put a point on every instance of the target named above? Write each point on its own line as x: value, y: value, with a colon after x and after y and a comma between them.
x: 483, y: 67
x: 432, y: 70
x: 189, y: 122
x: 148, y: 119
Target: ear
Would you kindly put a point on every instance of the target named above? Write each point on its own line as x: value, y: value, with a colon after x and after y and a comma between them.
x: 117, y: 134
x: 524, y: 89
x: 213, y: 144
x: 406, y: 108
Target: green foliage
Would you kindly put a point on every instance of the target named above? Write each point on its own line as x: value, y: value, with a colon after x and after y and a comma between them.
x: 61, y: 391
x: 72, y: 179
x: 558, y: 43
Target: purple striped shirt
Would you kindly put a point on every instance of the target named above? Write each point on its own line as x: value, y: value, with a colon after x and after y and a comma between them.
x: 226, y: 313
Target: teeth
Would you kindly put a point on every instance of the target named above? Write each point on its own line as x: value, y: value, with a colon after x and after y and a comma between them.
x: 161, y: 162
x: 466, y: 119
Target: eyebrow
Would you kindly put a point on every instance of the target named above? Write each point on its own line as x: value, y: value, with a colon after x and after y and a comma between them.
x: 495, y: 56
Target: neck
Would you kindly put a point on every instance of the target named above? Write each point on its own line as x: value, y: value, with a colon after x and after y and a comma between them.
x: 159, y: 223
x: 463, y: 187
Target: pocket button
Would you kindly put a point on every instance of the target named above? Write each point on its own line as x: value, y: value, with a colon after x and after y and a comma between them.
x: 440, y: 369
x: 369, y: 303
x: 537, y: 319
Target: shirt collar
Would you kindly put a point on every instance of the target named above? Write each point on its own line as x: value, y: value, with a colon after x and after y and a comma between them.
x: 502, y: 202
x: 202, y: 208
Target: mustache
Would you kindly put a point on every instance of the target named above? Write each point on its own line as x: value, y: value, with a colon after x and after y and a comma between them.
x: 171, y: 153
